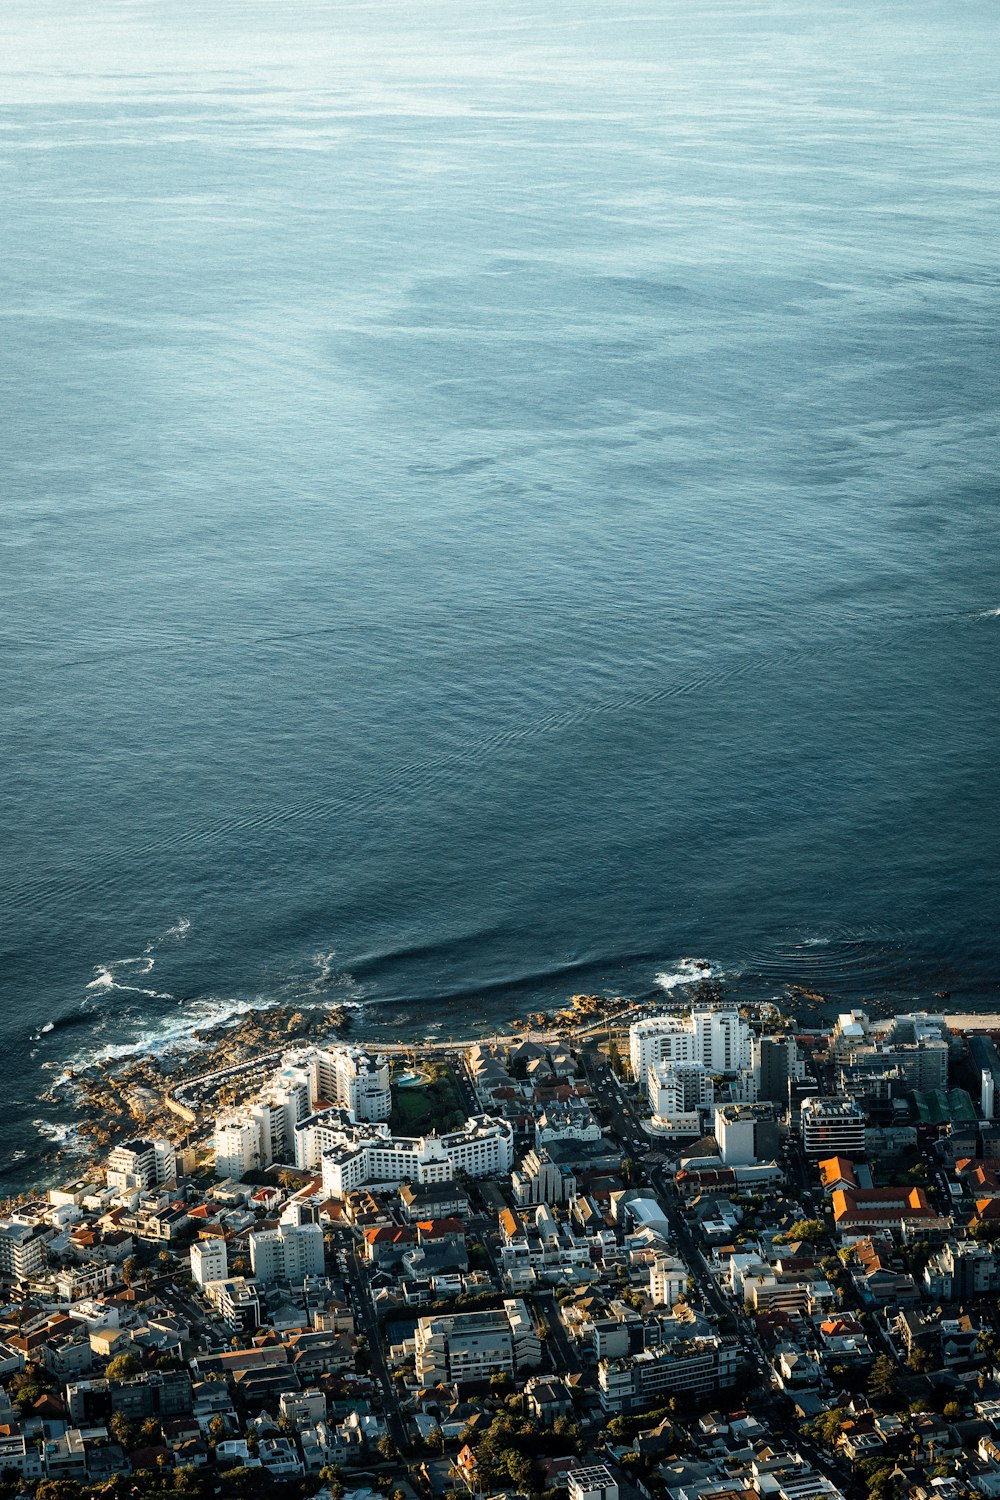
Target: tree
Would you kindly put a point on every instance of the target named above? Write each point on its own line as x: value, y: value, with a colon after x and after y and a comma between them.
x: 131, y: 1270
x: 387, y: 1447
x: 58, y: 1489
x: 804, y: 1229
x: 122, y: 1431
x: 123, y: 1367
x: 884, y: 1378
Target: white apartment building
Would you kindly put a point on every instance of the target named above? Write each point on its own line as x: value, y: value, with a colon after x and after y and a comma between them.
x: 592, y: 1482
x: 143, y: 1164
x: 668, y: 1279
x: 676, y: 1093
x: 356, y: 1154
x: 657, y: 1039
x: 350, y: 1077
x: 289, y: 1252
x: 237, y: 1303
x: 22, y: 1249
x: 209, y: 1260
x: 237, y: 1142
x: 715, y: 1035
x: 475, y: 1346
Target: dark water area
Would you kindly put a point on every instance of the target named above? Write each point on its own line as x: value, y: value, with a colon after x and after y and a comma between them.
x: 491, y: 504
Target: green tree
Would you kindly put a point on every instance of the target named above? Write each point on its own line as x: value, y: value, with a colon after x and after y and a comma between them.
x: 804, y: 1229
x: 123, y: 1367
x: 884, y: 1378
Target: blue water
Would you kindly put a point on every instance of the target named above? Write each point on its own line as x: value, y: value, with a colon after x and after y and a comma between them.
x: 495, y: 499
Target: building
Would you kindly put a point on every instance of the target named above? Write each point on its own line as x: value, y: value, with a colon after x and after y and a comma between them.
x: 209, y: 1260
x: 716, y: 1036
x: 355, y: 1154
x: 22, y: 1249
x: 592, y: 1482
x: 775, y: 1064
x: 658, y: 1039
x: 668, y: 1279
x: 236, y: 1302
x: 237, y: 1143
x: 695, y: 1367
x: 746, y: 1133
x: 350, y: 1078
x: 962, y: 1269
x: 677, y: 1091
x: 895, y: 1209
x: 472, y: 1347
x: 832, y: 1127
x: 289, y: 1251
x: 142, y: 1164
x: 539, y: 1180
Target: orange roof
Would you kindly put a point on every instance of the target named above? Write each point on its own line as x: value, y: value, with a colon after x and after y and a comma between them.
x: 837, y: 1169
x: 430, y: 1227
x: 876, y: 1204
x: 509, y: 1223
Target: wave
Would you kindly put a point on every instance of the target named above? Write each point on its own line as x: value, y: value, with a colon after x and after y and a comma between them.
x: 167, y: 1035
x: 60, y: 1135
x: 688, y: 971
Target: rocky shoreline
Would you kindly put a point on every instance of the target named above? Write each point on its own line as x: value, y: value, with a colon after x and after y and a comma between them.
x: 116, y: 1096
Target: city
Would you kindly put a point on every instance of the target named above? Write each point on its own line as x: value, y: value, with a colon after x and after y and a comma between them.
x: 686, y: 1254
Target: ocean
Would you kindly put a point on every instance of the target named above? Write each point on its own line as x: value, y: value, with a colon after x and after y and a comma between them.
x: 494, y: 501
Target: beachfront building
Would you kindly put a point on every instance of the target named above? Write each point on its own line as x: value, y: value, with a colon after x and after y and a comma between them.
x: 353, y: 1154
x: 716, y: 1036
x: 348, y: 1077
x: 141, y: 1164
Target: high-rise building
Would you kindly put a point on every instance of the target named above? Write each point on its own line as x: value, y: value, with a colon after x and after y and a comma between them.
x: 832, y: 1127
x: 746, y: 1133
x: 290, y: 1251
x: 142, y: 1164
x: 237, y: 1145
x: 775, y: 1065
x: 716, y: 1036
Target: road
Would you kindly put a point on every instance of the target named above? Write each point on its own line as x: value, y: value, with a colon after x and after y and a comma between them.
x: 364, y: 1306
x: 547, y: 1304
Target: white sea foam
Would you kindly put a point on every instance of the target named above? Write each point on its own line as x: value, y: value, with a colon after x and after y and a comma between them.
x: 989, y: 614
x: 49, y: 1026
x: 175, y: 1035
x: 688, y: 971
x: 106, y: 977
x: 180, y: 929
x: 61, y: 1135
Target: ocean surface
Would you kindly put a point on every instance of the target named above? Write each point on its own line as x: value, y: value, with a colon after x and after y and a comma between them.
x: 494, y: 500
